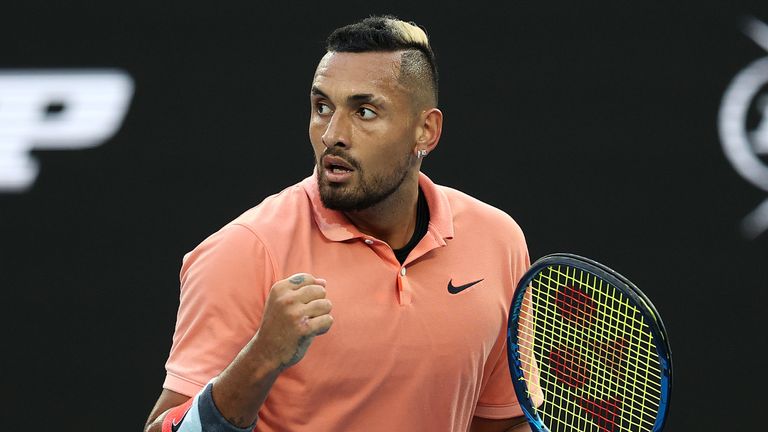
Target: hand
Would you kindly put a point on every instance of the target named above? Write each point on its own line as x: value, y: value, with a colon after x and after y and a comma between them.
x: 295, y: 312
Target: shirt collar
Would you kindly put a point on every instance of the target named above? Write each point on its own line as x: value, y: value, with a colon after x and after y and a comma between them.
x: 335, y: 226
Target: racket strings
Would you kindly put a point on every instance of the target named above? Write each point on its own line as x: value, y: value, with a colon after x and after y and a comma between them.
x: 588, y: 334
x: 587, y: 350
x: 603, y: 410
x: 615, y: 362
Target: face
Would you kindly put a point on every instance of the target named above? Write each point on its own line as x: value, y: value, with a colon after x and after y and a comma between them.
x: 363, y: 129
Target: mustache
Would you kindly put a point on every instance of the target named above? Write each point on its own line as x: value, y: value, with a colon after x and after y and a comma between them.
x: 335, y: 151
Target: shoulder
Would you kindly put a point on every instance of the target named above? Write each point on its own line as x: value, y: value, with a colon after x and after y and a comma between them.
x: 251, y: 234
x: 281, y: 210
x: 470, y: 213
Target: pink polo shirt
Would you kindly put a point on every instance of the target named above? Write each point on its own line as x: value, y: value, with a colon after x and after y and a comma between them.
x: 404, y: 353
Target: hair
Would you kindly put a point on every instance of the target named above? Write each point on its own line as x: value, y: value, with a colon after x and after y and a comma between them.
x: 418, y: 69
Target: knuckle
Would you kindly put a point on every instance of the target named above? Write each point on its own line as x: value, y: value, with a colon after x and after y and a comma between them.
x: 295, y: 316
x: 286, y: 300
x: 313, y: 292
x: 306, y: 331
x: 299, y: 278
x: 280, y: 288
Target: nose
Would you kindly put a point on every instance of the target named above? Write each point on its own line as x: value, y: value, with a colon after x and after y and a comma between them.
x: 337, y: 132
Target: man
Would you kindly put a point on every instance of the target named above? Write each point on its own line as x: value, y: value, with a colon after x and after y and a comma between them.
x: 411, y: 281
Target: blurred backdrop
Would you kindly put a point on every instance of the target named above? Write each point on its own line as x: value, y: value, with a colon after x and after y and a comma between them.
x: 631, y: 132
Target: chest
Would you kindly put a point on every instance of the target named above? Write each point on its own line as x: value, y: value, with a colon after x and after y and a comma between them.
x: 443, y: 307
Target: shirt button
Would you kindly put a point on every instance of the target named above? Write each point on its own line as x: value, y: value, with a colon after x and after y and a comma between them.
x: 402, y: 271
x: 368, y: 241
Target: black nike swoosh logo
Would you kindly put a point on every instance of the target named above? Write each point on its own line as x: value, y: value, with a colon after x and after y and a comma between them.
x: 175, y: 426
x: 457, y: 289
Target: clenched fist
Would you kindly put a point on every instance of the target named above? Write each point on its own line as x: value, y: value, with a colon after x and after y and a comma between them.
x: 295, y: 312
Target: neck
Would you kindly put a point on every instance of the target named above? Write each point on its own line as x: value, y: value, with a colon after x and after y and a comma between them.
x: 394, y: 219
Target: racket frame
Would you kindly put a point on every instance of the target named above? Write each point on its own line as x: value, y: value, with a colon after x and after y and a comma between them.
x: 625, y: 286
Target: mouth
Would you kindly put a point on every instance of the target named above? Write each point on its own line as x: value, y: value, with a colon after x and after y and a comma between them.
x: 337, y: 167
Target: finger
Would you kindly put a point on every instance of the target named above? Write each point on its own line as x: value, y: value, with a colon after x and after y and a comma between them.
x: 318, y: 307
x: 320, y: 281
x: 300, y: 279
x: 320, y: 325
x: 307, y: 293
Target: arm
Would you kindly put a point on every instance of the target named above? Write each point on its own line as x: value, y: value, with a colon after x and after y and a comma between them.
x: 168, y: 399
x: 515, y: 424
x: 295, y: 312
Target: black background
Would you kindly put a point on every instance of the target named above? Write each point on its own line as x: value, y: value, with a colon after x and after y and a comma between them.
x: 594, y: 124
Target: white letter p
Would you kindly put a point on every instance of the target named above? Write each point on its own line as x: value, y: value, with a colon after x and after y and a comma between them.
x: 56, y: 110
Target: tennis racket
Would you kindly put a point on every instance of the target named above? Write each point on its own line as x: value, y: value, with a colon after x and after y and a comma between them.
x: 587, y: 350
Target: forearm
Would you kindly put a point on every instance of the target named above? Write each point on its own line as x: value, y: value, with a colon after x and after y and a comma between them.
x: 241, y: 389
x: 238, y: 392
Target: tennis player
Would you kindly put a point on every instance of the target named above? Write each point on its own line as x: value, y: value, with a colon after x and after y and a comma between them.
x: 365, y: 297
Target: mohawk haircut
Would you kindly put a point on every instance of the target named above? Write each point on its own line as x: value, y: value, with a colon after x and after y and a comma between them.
x: 418, y: 69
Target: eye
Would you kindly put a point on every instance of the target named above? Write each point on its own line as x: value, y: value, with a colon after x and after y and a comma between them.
x: 323, y: 109
x: 366, y: 114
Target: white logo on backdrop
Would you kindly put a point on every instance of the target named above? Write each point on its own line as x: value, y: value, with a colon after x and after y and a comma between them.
x: 55, y: 110
x: 743, y: 146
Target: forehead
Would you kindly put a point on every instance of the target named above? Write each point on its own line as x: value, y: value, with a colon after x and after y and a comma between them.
x: 344, y: 73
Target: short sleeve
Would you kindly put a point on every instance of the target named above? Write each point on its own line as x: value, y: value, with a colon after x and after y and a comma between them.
x: 224, y: 284
x: 497, y: 398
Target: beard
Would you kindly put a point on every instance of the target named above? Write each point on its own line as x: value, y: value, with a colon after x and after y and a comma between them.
x: 367, y: 191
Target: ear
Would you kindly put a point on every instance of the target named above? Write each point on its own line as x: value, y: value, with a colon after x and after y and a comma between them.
x: 429, y: 130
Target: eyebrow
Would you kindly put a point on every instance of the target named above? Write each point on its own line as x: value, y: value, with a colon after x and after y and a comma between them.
x: 352, y: 99
x: 317, y: 92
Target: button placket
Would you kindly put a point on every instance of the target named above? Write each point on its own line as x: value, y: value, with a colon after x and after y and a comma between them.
x: 403, y: 287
